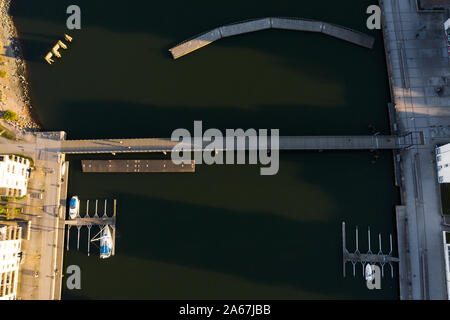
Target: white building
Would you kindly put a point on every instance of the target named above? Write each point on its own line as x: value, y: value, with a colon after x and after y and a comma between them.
x: 13, y: 175
x: 443, y: 163
x: 10, y: 248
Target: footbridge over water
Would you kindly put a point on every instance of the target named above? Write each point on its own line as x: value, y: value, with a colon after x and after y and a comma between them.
x: 369, y: 142
x: 295, y: 24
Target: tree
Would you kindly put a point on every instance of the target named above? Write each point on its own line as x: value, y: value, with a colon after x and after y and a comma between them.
x: 10, y: 115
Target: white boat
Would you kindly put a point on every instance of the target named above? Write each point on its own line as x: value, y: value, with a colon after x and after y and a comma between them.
x: 447, y: 35
x: 106, y: 242
x: 369, y: 272
x: 74, y: 207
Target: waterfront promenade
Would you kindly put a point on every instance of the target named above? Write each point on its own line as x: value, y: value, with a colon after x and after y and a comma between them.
x: 419, y: 71
x: 294, y: 24
x: 43, y: 253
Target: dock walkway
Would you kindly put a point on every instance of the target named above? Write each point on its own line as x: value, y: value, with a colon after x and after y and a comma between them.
x: 295, y: 24
x: 127, y: 166
x: 372, y: 142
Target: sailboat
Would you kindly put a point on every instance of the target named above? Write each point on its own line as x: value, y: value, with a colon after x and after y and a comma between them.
x: 106, y: 242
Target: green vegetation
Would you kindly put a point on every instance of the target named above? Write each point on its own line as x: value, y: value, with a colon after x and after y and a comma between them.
x: 3, y: 74
x: 9, y: 213
x: 5, y: 133
x: 10, y: 115
x: 6, y: 198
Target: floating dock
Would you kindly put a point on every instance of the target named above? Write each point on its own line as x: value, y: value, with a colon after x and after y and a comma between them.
x: 369, y: 257
x: 295, y: 24
x: 135, y: 166
x: 90, y: 221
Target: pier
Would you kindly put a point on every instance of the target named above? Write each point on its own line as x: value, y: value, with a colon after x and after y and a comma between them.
x: 89, y: 221
x: 369, y: 142
x: 127, y: 166
x: 369, y: 257
x: 295, y: 24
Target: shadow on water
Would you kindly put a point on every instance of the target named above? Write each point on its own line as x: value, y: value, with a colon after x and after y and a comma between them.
x: 264, y: 248
x: 302, y: 85
x: 179, y: 22
x: 229, y: 242
x: 161, y: 121
x: 34, y: 50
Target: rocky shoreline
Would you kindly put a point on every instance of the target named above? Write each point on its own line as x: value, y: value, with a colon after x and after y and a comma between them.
x: 14, y: 86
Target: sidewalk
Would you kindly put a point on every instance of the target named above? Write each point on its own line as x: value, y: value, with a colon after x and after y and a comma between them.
x: 419, y: 71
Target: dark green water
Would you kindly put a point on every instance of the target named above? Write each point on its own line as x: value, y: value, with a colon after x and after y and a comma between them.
x: 225, y: 231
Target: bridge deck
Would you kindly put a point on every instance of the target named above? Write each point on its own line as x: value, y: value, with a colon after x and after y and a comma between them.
x: 285, y: 143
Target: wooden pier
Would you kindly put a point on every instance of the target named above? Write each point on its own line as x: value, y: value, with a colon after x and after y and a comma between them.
x: 95, y: 220
x: 295, y: 24
x: 369, y: 257
x: 127, y: 166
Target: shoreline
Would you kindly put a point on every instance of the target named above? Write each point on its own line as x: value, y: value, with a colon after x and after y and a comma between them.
x: 14, y: 86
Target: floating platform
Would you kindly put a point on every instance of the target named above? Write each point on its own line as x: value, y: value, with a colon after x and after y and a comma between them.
x: 90, y: 221
x: 128, y: 166
x: 295, y: 24
x: 369, y: 257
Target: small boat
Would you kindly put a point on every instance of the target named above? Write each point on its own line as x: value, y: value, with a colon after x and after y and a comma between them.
x: 369, y: 272
x: 106, y: 242
x: 74, y: 207
x: 447, y: 35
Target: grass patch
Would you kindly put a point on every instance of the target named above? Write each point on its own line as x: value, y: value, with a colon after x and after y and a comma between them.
x: 10, y: 115
x: 5, y: 133
x: 3, y: 74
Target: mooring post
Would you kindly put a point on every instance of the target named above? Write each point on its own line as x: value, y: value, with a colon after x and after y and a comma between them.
x: 357, y: 249
x: 344, y: 249
x: 89, y: 238
x: 78, y: 242
x: 96, y: 206
x: 379, y: 244
x: 114, y: 227
x: 87, y: 208
x: 368, y: 239
x: 390, y: 241
x: 104, y: 212
x: 68, y: 233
